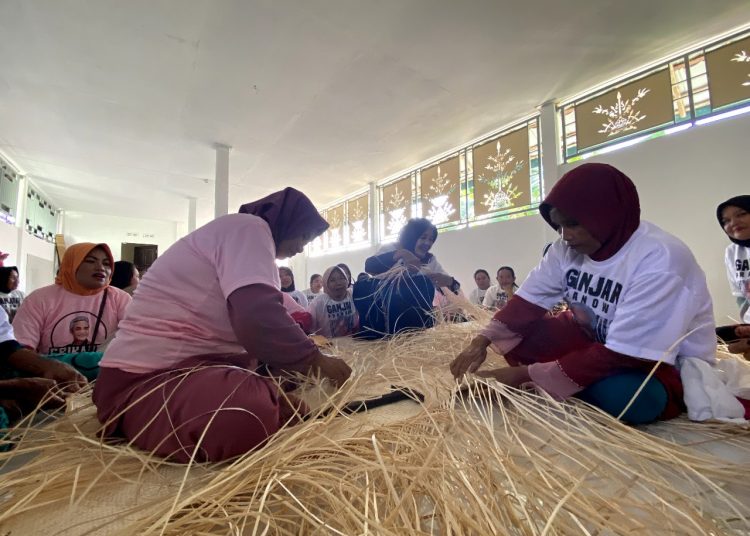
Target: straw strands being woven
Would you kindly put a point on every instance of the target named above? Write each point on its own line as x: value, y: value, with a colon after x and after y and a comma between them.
x: 492, y: 461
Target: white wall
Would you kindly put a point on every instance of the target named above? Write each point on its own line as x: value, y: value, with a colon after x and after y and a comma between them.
x: 33, y: 256
x: 9, y: 237
x: 681, y: 178
x: 114, y: 230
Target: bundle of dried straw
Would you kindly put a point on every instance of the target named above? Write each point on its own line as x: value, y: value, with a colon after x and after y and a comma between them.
x: 492, y: 461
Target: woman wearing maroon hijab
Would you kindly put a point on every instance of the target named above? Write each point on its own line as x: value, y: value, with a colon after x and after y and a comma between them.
x: 636, y: 295
x: 179, y: 379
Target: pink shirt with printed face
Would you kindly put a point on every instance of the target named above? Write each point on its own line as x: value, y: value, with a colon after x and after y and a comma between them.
x: 52, y: 320
x: 180, y: 308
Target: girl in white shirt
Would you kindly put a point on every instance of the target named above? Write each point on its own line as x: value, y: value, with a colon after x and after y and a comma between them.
x: 10, y: 297
x: 316, y: 287
x: 498, y: 295
x: 734, y: 217
x: 482, y: 279
x: 637, y: 297
x: 333, y: 312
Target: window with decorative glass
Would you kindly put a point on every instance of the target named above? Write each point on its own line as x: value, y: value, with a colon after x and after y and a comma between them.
x: 440, y: 192
x: 41, y: 216
x: 349, y: 226
x: 358, y: 219
x: 9, y: 183
x: 335, y: 233
x: 727, y: 69
x: 504, y: 175
x: 659, y: 101
x: 396, y: 206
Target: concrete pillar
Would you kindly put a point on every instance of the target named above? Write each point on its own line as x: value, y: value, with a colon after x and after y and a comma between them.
x: 374, y: 215
x: 221, y: 185
x: 551, y: 158
x: 548, y: 138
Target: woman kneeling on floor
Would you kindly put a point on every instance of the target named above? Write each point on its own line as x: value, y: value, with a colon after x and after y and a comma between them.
x: 636, y: 296
x: 179, y: 379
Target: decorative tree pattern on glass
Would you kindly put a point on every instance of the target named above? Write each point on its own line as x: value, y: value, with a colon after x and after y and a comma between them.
x: 441, y: 209
x: 317, y: 245
x: 501, y: 173
x: 728, y: 72
x: 396, y: 205
x: 498, y: 176
x: 742, y: 57
x: 396, y: 211
x: 336, y: 222
x: 640, y: 105
x: 358, y: 218
x: 440, y: 191
x: 622, y: 116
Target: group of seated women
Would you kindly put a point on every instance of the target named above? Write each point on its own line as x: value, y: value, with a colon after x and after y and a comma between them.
x: 201, y: 351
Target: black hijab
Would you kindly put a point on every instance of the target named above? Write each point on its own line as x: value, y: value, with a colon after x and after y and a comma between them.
x: 411, y: 232
x: 289, y: 272
x: 5, y: 276
x: 741, y: 201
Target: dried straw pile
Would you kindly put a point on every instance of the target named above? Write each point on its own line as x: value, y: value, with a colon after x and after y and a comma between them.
x: 457, y: 465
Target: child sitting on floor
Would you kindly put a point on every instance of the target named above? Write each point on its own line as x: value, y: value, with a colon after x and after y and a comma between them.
x: 333, y: 312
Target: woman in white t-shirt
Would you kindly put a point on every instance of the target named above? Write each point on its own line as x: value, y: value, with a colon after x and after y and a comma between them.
x: 333, y: 312
x: 637, y: 297
x: 180, y: 379
x: 286, y: 276
x: 482, y: 279
x: 734, y: 218
x: 10, y: 296
x: 316, y: 288
x: 498, y: 295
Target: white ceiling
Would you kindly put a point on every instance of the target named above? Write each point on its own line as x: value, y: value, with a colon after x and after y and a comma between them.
x: 113, y: 106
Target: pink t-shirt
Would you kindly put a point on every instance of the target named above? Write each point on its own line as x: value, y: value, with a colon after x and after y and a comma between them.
x: 180, y: 307
x: 53, y: 320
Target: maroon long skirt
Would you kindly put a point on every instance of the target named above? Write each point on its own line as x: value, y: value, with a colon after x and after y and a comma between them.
x: 204, y: 411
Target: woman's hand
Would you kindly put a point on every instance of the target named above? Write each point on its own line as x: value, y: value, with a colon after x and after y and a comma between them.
x: 741, y: 346
x: 411, y: 261
x: 512, y: 376
x: 441, y: 280
x: 29, y: 392
x: 471, y: 358
x: 67, y: 378
x: 333, y: 368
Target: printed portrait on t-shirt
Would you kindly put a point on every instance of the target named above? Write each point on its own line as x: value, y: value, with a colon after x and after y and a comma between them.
x: 73, y: 333
x: 79, y: 329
